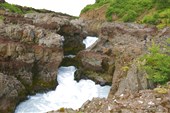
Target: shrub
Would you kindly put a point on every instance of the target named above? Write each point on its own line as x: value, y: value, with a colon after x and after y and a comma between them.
x: 162, y: 3
x: 11, y: 7
x: 150, y: 19
x: 127, y: 10
x: 158, y: 64
x: 155, y: 12
x: 130, y: 16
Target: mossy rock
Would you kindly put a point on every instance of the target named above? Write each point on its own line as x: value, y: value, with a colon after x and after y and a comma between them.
x: 161, y: 90
x: 98, y: 78
x: 70, y: 61
x: 40, y: 85
x: 72, y: 45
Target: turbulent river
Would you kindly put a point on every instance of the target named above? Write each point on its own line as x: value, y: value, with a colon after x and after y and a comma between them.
x: 68, y: 94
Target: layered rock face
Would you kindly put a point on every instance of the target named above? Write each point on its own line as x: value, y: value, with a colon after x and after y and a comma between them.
x: 116, y: 55
x: 72, y: 30
x: 109, y: 60
x: 114, y: 59
x: 30, y: 54
x: 31, y: 49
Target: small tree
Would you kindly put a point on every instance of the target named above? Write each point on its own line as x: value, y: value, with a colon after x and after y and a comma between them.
x: 158, y: 64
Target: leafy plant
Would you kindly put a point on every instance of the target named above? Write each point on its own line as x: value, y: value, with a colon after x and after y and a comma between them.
x: 158, y: 64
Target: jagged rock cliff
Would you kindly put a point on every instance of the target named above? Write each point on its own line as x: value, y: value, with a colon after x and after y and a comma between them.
x: 116, y: 56
x: 32, y: 47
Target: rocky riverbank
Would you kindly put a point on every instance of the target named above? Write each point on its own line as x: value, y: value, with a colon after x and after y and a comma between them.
x: 33, y: 45
x: 114, y: 59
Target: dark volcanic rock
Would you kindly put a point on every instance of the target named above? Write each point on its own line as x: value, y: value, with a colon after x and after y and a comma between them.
x: 31, y: 51
x: 95, y: 66
x: 117, y: 51
x: 12, y: 91
x: 72, y: 30
x: 31, y: 56
x: 32, y: 46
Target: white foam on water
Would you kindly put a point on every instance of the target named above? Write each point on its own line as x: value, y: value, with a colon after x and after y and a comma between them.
x: 68, y: 94
x: 89, y: 41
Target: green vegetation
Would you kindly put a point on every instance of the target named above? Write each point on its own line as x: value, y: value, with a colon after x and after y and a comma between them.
x: 98, y: 3
x: 157, y: 63
x: 155, y: 12
x: 1, y: 17
x: 128, y: 10
x: 16, y: 9
x: 11, y: 7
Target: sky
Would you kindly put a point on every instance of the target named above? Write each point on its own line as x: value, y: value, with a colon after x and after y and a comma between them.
x: 72, y: 7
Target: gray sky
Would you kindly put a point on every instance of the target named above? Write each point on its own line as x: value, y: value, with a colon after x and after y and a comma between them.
x: 72, y: 7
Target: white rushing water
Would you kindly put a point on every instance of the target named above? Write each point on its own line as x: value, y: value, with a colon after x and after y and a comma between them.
x: 68, y: 94
x: 89, y: 41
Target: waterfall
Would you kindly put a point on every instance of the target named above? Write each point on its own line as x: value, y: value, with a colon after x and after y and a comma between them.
x: 68, y: 94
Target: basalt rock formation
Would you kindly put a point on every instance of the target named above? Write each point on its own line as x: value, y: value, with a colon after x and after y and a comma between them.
x: 32, y: 46
x: 117, y: 54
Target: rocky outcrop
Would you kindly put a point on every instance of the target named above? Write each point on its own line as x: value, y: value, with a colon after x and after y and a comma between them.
x: 95, y: 66
x: 116, y: 55
x: 31, y: 50
x: 146, y: 101
x: 30, y: 54
x: 72, y: 30
x: 12, y: 91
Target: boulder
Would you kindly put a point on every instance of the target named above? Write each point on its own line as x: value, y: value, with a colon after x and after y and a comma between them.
x: 135, y: 80
x: 12, y: 91
x: 96, y: 66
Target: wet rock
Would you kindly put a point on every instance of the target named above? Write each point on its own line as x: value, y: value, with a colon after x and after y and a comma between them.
x: 94, y: 61
x: 73, y: 44
x: 32, y: 55
x: 95, y: 66
x: 31, y: 47
x: 12, y: 91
